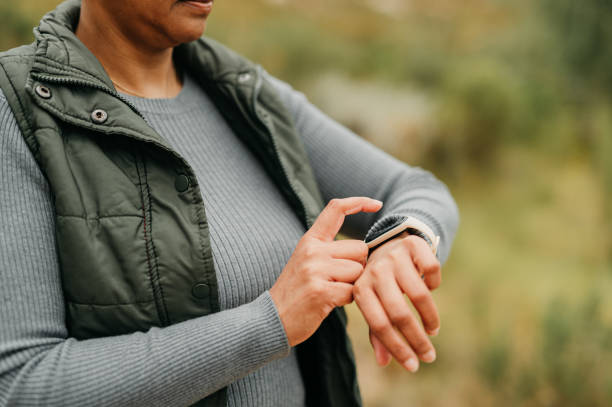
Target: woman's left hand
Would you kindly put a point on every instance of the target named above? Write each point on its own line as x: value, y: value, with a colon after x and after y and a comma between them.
x: 403, y: 265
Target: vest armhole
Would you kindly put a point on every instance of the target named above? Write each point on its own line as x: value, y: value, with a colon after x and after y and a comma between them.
x: 15, y: 102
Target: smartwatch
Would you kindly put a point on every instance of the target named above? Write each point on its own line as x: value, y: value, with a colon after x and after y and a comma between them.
x: 410, y: 224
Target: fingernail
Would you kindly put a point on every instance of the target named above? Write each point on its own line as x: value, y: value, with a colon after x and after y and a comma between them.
x: 435, y: 332
x: 380, y: 202
x: 429, y: 357
x: 412, y: 365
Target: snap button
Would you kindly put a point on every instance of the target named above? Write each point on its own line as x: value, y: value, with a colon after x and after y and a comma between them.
x: 244, y: 77
x: 99, y: 116
x: 43, y: 91
x: 200, y: 291
x: 181, y: 183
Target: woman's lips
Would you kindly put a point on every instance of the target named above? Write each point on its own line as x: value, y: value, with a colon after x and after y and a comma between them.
x: 202, y: 5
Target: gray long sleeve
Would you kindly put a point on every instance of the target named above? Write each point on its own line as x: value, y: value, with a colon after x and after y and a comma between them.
x: 347, y: 165
x: 176, y: 365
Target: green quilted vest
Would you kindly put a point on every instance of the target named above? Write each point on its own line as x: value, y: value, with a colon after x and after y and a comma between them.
x: 131, y: 229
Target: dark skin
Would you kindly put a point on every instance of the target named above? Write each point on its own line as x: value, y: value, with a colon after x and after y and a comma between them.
x: 134, y: 42
x: 402, y: 265
x: 134, y: 39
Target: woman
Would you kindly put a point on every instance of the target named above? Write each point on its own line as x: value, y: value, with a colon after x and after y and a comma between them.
x: 164, y: 238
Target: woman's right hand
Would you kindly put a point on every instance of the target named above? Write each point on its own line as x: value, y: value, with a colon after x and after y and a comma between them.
x: 320, y: 273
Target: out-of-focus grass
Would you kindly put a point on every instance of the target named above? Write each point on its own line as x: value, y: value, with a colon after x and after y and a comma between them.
x: 525, y: 315
x: 510, y: 103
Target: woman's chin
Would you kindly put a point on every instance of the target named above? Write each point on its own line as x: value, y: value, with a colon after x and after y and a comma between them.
x: 188, y: 31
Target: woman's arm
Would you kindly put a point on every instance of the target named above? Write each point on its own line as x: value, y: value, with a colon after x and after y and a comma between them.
x: 41, y: 365
x: 347, y: 165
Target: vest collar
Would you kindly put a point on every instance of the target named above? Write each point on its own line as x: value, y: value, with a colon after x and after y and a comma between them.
x: 79, y: 85
x: 60, y: 52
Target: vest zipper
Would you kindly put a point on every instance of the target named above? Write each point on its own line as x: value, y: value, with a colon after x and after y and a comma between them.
x: 106, y: 89
x: 72, y: 81
x: 307, y: 221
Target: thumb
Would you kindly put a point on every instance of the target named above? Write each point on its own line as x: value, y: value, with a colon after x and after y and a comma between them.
x: 330, y: 220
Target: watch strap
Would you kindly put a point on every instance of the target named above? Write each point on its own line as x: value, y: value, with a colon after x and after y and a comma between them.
x: 388, y: 228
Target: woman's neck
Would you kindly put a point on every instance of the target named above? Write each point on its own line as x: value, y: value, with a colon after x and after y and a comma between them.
x: 135, y: 67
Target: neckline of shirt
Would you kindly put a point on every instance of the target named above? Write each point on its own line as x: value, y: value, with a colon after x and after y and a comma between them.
x: 185, y: 101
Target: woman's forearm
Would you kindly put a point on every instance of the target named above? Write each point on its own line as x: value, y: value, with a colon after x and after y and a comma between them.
x: 345, y: 165
x: 176, y: 365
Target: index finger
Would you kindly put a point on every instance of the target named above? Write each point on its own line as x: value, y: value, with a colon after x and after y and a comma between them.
x: 330, y: 220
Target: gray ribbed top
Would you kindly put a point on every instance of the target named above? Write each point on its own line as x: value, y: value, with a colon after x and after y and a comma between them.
x: 244, y: 346
x: 242, y: 203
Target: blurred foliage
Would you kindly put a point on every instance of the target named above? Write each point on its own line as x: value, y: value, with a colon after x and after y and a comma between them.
x: 15, y: 28
x: 510, y: 103
x: 585, y: 28
x: 569, y: 365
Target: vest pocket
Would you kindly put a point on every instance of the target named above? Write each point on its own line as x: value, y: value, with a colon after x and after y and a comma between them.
x: 104, y: 274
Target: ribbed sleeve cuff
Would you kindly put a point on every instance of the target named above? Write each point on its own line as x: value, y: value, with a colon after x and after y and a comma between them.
x: 271, y: 337
x: 202, y: 355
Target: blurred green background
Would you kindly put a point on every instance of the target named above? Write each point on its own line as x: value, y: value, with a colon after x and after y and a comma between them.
x: 510, y: 103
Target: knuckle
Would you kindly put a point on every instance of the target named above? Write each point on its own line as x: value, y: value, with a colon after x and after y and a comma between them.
x: 384, y: 264
x: 379, y: 327
x: 378, y: 275
x: 403, y: 319
x: 308, y: 267
x: 334, y: 203
x: 310, y: 250
x: 421, y: 344
x: 316, y: 291
x: 306, y: 241
x: 401, y: 350
x: 397, y: 255
x: 421, y: 297
x: 409, y: 242
x: 316, y: 288
x: 433, y: 267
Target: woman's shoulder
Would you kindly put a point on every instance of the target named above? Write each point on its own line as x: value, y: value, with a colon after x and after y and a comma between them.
x: 15, y: 154
x: 8, y: 122
x: 7, y: 118
x: 294, y: 100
